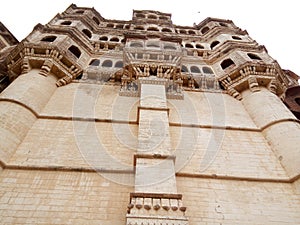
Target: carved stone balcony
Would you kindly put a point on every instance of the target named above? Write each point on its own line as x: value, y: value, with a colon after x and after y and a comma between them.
x: 251, y: 76
x: 47, y: 58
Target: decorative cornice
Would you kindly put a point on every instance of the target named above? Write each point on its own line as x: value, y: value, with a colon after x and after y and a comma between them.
x: 252, y: 75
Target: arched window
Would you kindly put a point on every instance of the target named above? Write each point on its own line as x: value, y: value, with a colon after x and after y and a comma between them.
x: 152, y: 17
x: 49, y: 38
x: 87, y: 33
x: 207, y: 70
x: 66, y: 23
x: 227, y: 63
x: 103, y: 38
x: 114, y: 39
x: 95, y: 62
x: 139, y: 15
x: 188, y: 45
x: 107, y: 63
x: 136, y: 44
x: 119, y: 26
x: 163, y: 18
x: 236, y: 38
x: 152, y: 29
x: 184, y: 68
x: 195, y: 69
x: 119, y: 64
x: 153, y: 45
x: 182, y: 31
x: 199, y: 46
x: 96, y: 20
x: 79, y: 12
x: 75, y: 51
x: 166, y: 30
x: 204, y: 30
x: 191, y: 32
x: 139, y: 28
x: 253, y: 56
x: 223, y: 24
x: 214, y: 44
x: 111, y: 25
x: 169, y: 46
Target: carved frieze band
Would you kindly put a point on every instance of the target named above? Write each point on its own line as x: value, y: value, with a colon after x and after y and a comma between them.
x: 152, y: 208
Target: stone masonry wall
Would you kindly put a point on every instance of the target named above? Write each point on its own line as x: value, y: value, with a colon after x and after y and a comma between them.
x: 53, y: 197
x: 212, y: 201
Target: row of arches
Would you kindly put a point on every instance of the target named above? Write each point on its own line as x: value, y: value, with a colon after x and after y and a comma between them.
x: 153, y: 44
x: 106, y: 63
x: 118, y: 26
x: 112, y: 39
x: 151, y: 16
x: 196, y: 69
x: 192, y: 45
x: 153, y: 28
x: 89, y: 34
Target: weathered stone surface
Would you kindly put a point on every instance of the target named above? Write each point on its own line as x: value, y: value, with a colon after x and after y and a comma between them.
x: 144, y: 122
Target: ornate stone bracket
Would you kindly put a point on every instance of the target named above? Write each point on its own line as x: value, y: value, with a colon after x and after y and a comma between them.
x: 234, y: 93
x: 253, y: 85
x: 46, y: 68
x: 152, y: 208
x: 251, y: 76
x: 25, y: 67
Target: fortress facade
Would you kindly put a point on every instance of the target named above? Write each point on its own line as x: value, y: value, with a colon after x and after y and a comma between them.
x: 145, y: 122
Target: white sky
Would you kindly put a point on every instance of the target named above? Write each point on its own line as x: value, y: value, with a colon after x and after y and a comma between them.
x: 274, y: 24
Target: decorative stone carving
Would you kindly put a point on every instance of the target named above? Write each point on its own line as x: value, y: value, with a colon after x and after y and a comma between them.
x: 251, y: 75
x: 25, y: 67
x: 46, y: 68
x: 273, y: 86
x: 63, y: 81
x: 234, y: 93
x: 253, y: 85
x: 27, y: 56
x: 150, y: 208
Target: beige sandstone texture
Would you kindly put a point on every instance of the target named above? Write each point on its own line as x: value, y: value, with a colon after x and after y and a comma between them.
x: 144, y: 122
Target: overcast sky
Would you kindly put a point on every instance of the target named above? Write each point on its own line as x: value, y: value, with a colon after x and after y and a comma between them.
x: 274, y: 24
